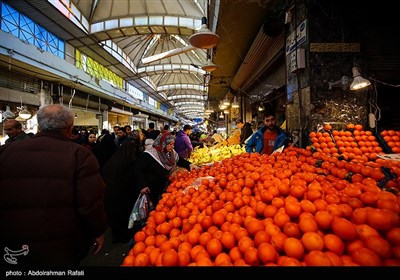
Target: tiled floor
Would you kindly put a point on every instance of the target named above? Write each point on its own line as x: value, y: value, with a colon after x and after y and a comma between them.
x: 111, y: 254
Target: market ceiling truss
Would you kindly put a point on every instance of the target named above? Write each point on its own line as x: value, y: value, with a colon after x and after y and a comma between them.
x: 152, y: 40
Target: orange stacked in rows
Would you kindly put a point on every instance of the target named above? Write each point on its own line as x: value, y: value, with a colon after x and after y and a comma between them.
x: 392, y: 139
x: 353, y: 143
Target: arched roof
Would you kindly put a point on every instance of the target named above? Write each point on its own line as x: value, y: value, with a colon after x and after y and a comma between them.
x: 152, y: 37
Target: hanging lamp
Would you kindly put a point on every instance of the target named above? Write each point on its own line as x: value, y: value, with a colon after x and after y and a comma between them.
x: 208, y: 110
x: 24, y: 113
x: 209, y: 66
x: 235, y: 104
x: 358, y: 81
x: 7, y: 114
x: 204, y: 38
x: 226, y: 101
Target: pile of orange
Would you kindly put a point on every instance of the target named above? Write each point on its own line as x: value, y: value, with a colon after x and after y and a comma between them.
x: 295, y: 208
x: 392, y: 139
x: 353, y: 143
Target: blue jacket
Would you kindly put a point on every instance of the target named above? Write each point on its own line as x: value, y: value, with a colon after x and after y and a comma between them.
x: 257, y: 139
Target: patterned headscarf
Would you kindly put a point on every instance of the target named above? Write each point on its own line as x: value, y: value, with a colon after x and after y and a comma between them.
x: 159, y: 152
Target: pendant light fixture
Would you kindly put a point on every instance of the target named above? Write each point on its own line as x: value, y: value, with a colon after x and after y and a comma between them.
x: 204, y: 38
x: 358, y: 81
x: 7, y: 114
x: 226, y: 101
x: 24, y: 113
x: 208, y: 110
x: 209, y: 66
x: 235, y: 104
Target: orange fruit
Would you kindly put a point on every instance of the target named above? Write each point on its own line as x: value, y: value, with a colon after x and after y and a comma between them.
x: 204, y: 260
x: 214, y: 247
x: 240, y: 232
x: 354, y: 245
x: 366, y: 257
x: 195, y: 250
x: 128, y: 261
x: 317, y: 258
x: 251, y: 256
x: 170, y: 258
x: 359, y: 216
x: 379, y: 246
x: 223, y: 259
x: 153, y: 256
x: 292, y: 230
x: 294, y: 248
x: 164, y: 228
x: 267, y: 253
x: 204, y: 238
x: 324, y: 219
x: 281, y: 218
x: 334, y: 258
x: 183, y: 258
x: 393, y: 236
x: 228, y: 240
x: 139, y: 247
x: 293, y: 209
x: 206, y: 222
x: 254, y: 225
x: 244, y: 243
x: 278, y: 241
x: 235, y: 254
x: 344, y: 229
x: 308, y: 224
x: 379, y: 219
x: 261, y: 237
x: 176, y: 241
x: 160, y: 217
x: 193, y: 236
x: 334, y: 244
x: 312, y: 241
x: 218, y: 218
x: 142, y: 259
x: 139, y: 236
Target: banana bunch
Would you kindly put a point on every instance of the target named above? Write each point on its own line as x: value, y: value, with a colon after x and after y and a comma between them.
x: 237, y: 149
x: 213, y: 154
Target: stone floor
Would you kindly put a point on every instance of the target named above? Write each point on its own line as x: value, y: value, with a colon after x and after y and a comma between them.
x: 112, y: 255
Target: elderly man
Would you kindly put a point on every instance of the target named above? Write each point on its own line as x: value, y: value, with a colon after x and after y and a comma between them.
x: 51, y: 196
x: 13, y: 129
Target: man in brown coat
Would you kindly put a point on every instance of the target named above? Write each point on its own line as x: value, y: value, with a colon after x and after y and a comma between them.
x: 13, y: 129
x: 51, y: 196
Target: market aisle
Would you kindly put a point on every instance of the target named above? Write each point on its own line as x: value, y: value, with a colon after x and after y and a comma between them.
x: 110, y: 255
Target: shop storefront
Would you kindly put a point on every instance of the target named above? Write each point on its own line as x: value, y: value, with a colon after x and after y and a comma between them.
x: 89, y: 120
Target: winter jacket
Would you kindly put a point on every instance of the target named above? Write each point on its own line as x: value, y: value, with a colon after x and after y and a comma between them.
x: 19, y: 137
x: 183, y: 145
x: 148, y: 172
x: 51, y: 199
x: 245, y: 132
x: 255, y: 143
x: 120, y: 194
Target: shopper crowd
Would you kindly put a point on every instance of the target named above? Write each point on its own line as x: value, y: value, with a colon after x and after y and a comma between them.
x: 74, y: 184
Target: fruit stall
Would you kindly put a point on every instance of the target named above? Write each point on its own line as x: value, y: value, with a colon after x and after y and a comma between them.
x: 333, y: 203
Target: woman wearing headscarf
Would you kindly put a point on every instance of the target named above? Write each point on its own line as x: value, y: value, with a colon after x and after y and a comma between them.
x: 155, y: 165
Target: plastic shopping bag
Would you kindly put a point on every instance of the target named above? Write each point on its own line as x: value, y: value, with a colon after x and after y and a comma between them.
x: 141, y: 209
